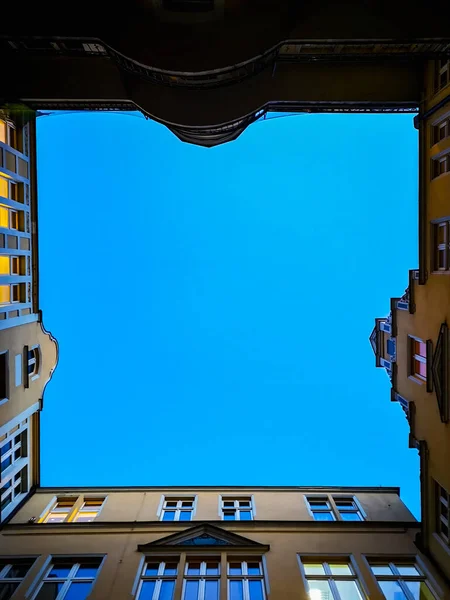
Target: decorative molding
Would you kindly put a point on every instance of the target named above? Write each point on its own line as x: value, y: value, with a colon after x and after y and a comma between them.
x: 439, y: 370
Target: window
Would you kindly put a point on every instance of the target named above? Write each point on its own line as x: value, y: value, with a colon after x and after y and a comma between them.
x: 15, y: 265
x: 237, y: 509
x: 441, y: 243
x: 320, y: 508
x: 157, y: 581
x: 13, y: 219
x: 442, y: 74
x: 90, y: 508
x: 331, y: 580
x: 78, y: 509
x: 4, y: 213
x: 60, y: 511
x: 12, y: 573
x: 70, y: 578
x: 439, y: 166
x: 401, y: 580
x: 245, y: 580
x: 4, y: 372
x: 8, y: 134
x: 14, y: 467
x: 33, y: 361
x: 442, y: 505
x: 201, y: 579
x: 418, y: 359
x: 441, y: 131
x: 177, y: 509
x: 348, y: 508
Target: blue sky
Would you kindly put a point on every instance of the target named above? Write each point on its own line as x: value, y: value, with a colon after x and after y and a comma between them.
x: 213, y: 306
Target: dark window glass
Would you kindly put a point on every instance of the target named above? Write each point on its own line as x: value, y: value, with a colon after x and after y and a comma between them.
x: 229, y: 515
x: 6, y: 463
x: 61, y: 571
x: 49, y: 591
x: 151, y: 569
x: 5, y: 448
x: 78, y: 590
x: 19, y: 570
x: 7, y: 590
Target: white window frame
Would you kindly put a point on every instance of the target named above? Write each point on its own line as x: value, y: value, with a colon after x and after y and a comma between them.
x: 245, y: 577
x: 392, y: 561
x: 179, y: 499
x: 319, y: 498
x: 11, y: 268
x: 236, y: 499
x: 67, y: 581
x: 34, y: 361
x: 412, y: 357
x: 89, y: 509
x: 6, y: 562
x: 356, y: 509
x: 442, y: 499
x: 17, y: 474
x: 203, y: 577
x: 72, y: 512
x: 355, y: 575
x: 159, y: 577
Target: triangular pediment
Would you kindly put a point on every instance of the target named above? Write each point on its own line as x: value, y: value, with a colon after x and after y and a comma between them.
x: 373, y: 339
x: 202, y: 536
x: 439, y: 370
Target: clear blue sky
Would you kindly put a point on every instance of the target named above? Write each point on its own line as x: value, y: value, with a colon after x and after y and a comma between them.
x: 213, y: 306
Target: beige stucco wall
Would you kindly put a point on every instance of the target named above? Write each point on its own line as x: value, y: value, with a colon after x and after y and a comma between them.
x: 270, y: 505
x: 14, y: 339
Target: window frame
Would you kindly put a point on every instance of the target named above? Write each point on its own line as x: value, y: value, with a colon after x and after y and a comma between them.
x: 10, y: 561
x: 437, y: 247
x: 179, y: 499
x: 440, y: 518
x: 202, y: 577
x: 328, y: 576
x: 393, y: 561
x: 357, y: 509
x: 318, y: 498
x: 77, y: 559
x: 442, y: 66
x: 245, y: 577
x: 236, y: 498
x: 412, y: 357
x: 159, y: 577
x: 17, y: 473
x: 71, y: 514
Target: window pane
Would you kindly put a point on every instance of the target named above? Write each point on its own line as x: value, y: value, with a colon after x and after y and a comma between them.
x: 187, y: 504
x: 169, y: 515
x: 236, y: 590
x: 7, y: 590
x: 392, y: 590
x: 49, y: 591
x: 381, y: 569
x: 235, y: 568
x: 323, y: 516
x: 344, y: 503
x: 78, y: 591
x: 319, y: 590
x: 340, y: 569
x: 166, y: 590
x: 18, y: 570
x: 244, y: 503
x: 170, y: 569
x: 348, y: 590
x: 147, y: 590
x: 212, y: 568
x: 228, y: 503
x: 86, y: 571
x: 211, y: 590
x: 193, y: 568
x: 62, y: 570
x: 253, y: 568
x: 255, y: 589
x: 407, y: 570
x: 419, y: 590
x: 246, y: 515
x: 171, y: 504
x: 351, y: 516
x: 191, y: 590
x: 311, y: 569
x: 185, y: 515
x: 151, y: 569
x: 229, y: 515
x: 319, y: 504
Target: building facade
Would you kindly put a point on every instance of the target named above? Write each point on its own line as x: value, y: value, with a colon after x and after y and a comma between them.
x: 412, y: 342
x: 211, y: 543
x: 28, y: 353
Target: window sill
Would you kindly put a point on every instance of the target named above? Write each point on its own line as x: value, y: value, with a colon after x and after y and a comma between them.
x: 439, y: 176
x: 417, y: 380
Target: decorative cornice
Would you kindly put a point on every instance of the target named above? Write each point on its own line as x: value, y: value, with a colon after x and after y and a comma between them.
x: 439, y: 370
